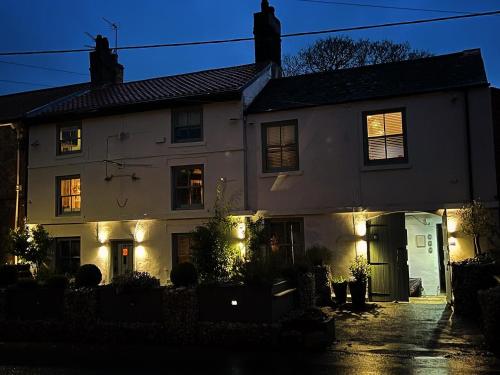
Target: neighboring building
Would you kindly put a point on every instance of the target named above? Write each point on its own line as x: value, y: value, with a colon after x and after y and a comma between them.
x: 369, y: 161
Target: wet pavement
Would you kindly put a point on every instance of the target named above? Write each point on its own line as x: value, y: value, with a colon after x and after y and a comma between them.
x: 422, y: 337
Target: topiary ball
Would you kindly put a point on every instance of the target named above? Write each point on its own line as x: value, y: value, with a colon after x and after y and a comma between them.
x: 184, y: 274
x: 88, y: 276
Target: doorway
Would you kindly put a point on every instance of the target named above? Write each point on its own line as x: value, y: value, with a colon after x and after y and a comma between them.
x: 122, y: 260
x: 408, y: 252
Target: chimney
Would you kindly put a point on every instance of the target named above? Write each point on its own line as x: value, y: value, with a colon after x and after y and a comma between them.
x: 267, y: 32
x: 104, y: 66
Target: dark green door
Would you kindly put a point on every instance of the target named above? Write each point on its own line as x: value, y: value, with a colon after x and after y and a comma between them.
x: 388, y: 256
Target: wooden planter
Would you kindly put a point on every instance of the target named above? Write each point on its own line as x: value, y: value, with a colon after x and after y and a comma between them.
x: 142, y: 305
x: 35, y: 303
x: 340, y: 290
x: 244, y: 303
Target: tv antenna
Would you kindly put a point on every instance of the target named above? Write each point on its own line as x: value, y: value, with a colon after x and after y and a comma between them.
x: 115, y: 28
x: 91, y: 37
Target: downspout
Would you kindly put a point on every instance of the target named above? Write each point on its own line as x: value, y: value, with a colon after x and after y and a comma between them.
x: 469, y: 146
x: 245, y: 161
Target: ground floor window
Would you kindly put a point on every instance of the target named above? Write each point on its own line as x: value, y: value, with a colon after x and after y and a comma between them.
x: 181, y: 248
x: 67, y: 255
x: 286, y: 239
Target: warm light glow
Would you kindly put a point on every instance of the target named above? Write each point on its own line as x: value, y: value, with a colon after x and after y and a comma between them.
x: 234, y: 303
x: 452, y: 241
x: 242, y: 249
x: 103, y: 252
x: 103, y: 235
x: 362, y: 248
x: 140, y: 231
x: 140, y: 251
x: 452, y: 223
x: 241, y: 230
x: 360, y: 227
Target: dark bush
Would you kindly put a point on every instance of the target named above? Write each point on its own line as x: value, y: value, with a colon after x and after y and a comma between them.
x: 88, y: 276
x: 57, y: 282
x: 135, y: 281
x: 184, y: 274
x: 23, y: 271
x: 26, y: 283
x: 319, y: 255
x: 489, y: 300
x: 294, y: 272
x: 8, y: 275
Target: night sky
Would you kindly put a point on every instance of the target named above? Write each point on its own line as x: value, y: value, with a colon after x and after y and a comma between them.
x: 60, y: 24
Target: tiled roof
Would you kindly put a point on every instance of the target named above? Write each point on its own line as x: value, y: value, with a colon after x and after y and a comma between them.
x: 132, y: 95
x: 14, y: 106
x: 376, y: 81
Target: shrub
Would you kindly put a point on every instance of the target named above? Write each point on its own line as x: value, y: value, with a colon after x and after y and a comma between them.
x: 319, y: 255
x: 360, y: 269
x: 135, y: 281
x: 88, y: 276
x: 257, y: 273
x: 184, y: 274
x: 8, y: 275
x: 57, y: 282
x: 295, y: 271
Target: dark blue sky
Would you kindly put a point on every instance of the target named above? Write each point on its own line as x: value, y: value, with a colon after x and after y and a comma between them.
x: 56, y: 24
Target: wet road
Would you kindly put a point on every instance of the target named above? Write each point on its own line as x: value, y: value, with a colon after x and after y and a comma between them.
x: 423, y: 337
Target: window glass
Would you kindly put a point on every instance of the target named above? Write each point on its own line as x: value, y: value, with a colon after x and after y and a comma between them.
x: 385, y: 138
x: 187, y: 125
x: 67, y: 255
x: 188, y: 187
x: 69, y: 139
x: 280, y: 147
x: 69, y: 195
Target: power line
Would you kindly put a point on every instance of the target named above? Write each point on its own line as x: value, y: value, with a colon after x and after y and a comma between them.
x: 41, y: 67
x: 245, y: 39
x: 364, y: 5
x: 26, y: 83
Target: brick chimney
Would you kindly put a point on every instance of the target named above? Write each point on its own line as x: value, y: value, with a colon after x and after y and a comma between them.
x: 267, y: 32
x: 104, y: 66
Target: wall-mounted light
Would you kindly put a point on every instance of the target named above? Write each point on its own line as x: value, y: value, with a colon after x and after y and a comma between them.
x: 103, y: 252
x: 140, y: 252
x: 234, y: 303
x: 241, y: 230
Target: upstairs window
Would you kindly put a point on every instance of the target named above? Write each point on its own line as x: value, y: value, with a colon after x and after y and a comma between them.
x: 68, y: 195
x: 187, y: 125
x: 385, y: 138
x: 280, y: 146
x: 69, y: 138
x: 187, y: 187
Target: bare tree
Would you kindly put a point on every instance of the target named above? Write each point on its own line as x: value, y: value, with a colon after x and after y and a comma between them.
x: 342, y: 52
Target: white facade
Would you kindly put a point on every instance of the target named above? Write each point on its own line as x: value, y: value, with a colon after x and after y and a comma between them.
x: 332, y: 191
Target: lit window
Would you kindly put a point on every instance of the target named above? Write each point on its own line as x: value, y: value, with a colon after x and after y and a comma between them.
x: 187, y: 187
x: 69, y: 138
x: 187, y: 125
x: 69, y: 200
x: 280, y: 146
x: 385, y: 137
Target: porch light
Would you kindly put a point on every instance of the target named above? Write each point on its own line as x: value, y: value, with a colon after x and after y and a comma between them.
x: 140, y: 252
x: 140, y: 231
x: 234, y: 303
x: 241, y: 230
x: 103, y: 252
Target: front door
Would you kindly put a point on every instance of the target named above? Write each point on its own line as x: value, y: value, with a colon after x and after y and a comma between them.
x: 123, y: 257
x: 388, y: 257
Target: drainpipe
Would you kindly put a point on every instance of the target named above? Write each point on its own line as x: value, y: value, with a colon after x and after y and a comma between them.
x: 469, y: 146
x: 245, y: 162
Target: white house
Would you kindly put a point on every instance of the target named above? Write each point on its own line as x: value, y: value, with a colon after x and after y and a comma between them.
x: 372, y: 161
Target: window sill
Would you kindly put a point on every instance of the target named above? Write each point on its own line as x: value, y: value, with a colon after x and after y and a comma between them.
x: 187, y: 144
x: 284, y: 173
x: 385, y: 167
x: 69, y: 155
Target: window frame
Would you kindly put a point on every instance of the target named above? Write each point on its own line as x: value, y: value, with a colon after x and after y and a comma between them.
x: 264, y: 127
x: 57, y: 261
x: 174, y: 111
x: 386, y: 161
x: 173, y: 173
x: 175, y: 246
x: 72, y: 124
x: 59, y: 211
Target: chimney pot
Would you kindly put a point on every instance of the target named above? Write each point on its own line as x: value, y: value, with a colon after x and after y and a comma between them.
x: 104, y: 66
x: 267, y: 32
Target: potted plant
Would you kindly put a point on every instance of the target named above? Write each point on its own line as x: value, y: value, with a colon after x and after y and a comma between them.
x: 339, y: 285
x: 319, y: 258
x: 360, y: 271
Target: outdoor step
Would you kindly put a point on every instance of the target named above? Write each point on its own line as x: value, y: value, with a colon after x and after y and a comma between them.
x: 284, y: 293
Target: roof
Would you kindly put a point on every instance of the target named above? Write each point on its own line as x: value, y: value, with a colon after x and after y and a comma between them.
x: 14, y: 106
x: 207, y: 85
x: 437, y: 73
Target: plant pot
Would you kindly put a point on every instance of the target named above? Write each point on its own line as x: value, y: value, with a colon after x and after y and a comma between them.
x: 358, y: 292
x: 340, y: 290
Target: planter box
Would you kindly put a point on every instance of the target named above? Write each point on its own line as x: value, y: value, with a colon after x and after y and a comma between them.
x: 144, y: 306
x: 35, y: 304
x: 467, y: 280
x: 244, y: 303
